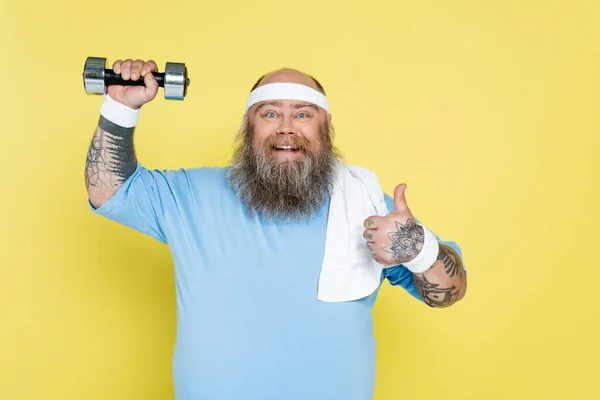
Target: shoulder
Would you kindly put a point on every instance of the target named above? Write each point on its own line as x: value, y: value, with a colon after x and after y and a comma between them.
x: 183, y: 179
x: 203, y: 173
x: 366, y: 176
x: 189, y: 175
x: 361, y: 171
x: 369, y: 177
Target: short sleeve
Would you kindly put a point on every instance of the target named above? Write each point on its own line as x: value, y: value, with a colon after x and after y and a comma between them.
x: 140, y: 202
x: 399, y: 275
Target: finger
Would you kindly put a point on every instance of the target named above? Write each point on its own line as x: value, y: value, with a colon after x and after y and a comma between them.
x: 372, y: 222
x: 150, y: 81
x: 126, y: 69
x: 149, y: 66
x: 368, y: 234
x: 136, y: 69
x: 400, y: 199
x: 117, y: 66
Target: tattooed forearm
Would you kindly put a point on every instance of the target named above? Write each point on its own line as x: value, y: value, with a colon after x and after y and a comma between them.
x: 450, y: 265
x: 445, y: 282
x: 110, y: 160
x: 433, y: 293
x: 95, y: 157
x: 407, y: 241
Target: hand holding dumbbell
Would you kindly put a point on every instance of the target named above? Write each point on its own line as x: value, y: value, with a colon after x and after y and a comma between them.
x: 134, y: 96
x: 134, y: 83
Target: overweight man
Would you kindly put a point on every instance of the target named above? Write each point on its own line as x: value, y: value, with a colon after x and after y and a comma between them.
x: 280, y: 255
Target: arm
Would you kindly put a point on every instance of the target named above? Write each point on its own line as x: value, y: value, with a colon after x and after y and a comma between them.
x: 110, y: 161
x: 430, y: 269
x: 111, y: 158
x: 441, y: 284
x: 118, y: 186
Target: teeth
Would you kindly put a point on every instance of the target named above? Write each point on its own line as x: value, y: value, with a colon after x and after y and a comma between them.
x: 286, y: 148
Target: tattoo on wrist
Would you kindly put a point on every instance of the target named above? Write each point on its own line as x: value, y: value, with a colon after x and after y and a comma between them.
x: 114, y: 129
x: 407, y: 241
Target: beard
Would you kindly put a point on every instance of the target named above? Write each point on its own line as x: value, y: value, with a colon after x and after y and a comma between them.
x: 289, y: 190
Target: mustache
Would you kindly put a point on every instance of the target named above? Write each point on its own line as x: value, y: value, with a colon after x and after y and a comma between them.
x: 297, y: 142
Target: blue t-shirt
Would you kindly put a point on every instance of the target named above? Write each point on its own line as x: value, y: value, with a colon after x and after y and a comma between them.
x: 249, y: 325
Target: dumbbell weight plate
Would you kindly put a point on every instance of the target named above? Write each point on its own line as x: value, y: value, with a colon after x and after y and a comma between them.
x: 176, y: 81
x: 93, y: 75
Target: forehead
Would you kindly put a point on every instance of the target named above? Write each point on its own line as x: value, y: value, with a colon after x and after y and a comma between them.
x: 289, y: 76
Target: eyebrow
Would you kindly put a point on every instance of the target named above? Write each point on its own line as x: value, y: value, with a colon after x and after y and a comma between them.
x: 278, y: 104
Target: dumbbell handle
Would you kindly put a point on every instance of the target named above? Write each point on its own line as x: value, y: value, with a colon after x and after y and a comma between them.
x: 110, y: 78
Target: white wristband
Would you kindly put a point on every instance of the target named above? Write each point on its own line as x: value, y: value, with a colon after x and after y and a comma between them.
x: 119, y: 113
x: 428, y: 254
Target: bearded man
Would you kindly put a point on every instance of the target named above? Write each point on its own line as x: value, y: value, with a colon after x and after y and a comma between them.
x: 279, y: 256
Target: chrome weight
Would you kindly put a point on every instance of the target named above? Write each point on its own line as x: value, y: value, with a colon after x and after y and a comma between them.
x: 176, y: 81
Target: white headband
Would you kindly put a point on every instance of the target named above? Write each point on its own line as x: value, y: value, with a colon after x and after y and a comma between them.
x: 287, y: 91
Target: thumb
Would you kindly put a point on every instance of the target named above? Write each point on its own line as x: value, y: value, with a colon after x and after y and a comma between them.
x: 151, y: 84
x: 400, y: 205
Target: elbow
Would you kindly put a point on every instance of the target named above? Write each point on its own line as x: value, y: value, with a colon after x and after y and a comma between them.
x: 460, y: 290
x: 96, y: 196
x: 96, y: 203
x: 460, y: 294
x: 96, y: 199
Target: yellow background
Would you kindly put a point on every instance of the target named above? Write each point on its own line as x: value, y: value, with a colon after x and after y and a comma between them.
x: 488, y: 110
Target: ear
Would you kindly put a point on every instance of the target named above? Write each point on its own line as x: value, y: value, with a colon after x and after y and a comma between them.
x: 329, y: 116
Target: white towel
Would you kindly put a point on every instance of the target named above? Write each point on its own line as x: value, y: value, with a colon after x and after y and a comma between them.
x: 349, y: 272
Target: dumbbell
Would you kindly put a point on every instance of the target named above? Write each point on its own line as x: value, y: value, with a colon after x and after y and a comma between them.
x: 96, y: 77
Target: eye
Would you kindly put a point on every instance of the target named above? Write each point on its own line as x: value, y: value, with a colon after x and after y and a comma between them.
x: 270, y: 115
x: 302, y: 115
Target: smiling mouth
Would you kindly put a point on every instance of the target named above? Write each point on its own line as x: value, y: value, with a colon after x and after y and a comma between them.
x: 286, y: 148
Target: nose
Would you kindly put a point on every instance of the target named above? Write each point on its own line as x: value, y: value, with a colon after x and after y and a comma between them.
x: 286, y: 125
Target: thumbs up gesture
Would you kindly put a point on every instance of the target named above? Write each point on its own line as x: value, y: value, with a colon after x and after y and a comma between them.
x: 395, y: 238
